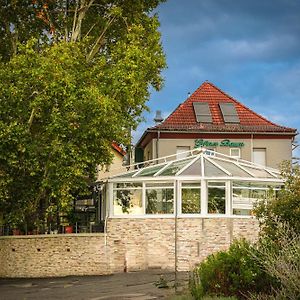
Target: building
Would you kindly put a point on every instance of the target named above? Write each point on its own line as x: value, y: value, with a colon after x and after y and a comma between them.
x: 117, y: 164
x: 212, y: 119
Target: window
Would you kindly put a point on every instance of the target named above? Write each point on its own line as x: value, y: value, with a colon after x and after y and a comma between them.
x: 191, y: 198
x: 259, y: 156
x: 160, y: 198
x: 202, y: 112
x: 229, y: 113
x: 182, y: 151
x: 210, y: 151
x: 245, y: 194
x: 216, y: 197
x: 235, y: 152
x: 127, y: 199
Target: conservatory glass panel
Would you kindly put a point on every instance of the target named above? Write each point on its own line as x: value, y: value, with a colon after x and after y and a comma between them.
x: 261, y: 173
x: 129, y: 174
x: 127, y: 201
x: 233, y: 168
x: 175, y: 167
x: 150, y: 171
x: 122, y: 185
x: 191, y: 199
x: 211, y: 170
x: 160, y: 184
x: 159, y: 200
x: 193, y: 169
x: 245, y: 194
x: 216, y: 198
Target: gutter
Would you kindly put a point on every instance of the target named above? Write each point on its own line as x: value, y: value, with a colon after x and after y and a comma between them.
x: 214, y: 132
x: 221, y: 132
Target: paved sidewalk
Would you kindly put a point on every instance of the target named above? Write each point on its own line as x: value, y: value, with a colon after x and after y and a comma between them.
x: 135, y: 285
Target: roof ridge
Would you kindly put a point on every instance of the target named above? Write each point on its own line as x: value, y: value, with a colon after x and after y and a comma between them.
x: 244, y: 106
x: 207, y: 92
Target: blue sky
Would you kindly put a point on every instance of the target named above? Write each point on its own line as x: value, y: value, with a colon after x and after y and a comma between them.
x: 249, y: 49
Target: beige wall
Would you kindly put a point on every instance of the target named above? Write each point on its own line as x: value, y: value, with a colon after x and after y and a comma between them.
x: 277, y: 150
x: 130, y: 245
x: 150, y: 151
x: 114, y: 168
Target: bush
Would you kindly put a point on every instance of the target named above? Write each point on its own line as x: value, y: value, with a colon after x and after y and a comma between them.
x: 280, y: 259
x: 230, y: 273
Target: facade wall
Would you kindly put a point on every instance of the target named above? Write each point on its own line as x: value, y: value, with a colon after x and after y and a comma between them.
x: 277, y: 150
x: 129, y: 245
x: 116, y: 167
x: 150, y: 151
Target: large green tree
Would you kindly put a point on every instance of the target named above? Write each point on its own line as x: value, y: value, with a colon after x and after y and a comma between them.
x: 74, y: 76
x: 283, y: 208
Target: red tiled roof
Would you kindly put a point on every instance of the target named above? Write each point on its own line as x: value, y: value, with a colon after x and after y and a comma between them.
x: 184, y: 119
x: 118, y: 148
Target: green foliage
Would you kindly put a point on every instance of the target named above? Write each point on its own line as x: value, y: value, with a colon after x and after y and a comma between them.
x: 280, y: 259
x: 67, y: 94
x: 190, y: 201
x: 216, y: 200
x: 285, y: 207
x: 229, y: 273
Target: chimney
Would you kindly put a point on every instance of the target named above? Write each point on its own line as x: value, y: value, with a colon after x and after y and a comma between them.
x: 158, y: 118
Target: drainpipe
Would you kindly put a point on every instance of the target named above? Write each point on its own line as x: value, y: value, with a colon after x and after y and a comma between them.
x: 158, y: 119
x: 251, y: 147
x: 157, y: 145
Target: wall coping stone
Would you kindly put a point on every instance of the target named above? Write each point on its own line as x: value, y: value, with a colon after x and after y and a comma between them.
x: 34, y: 236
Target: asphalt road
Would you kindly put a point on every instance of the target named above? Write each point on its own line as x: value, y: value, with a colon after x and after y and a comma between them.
x: 135, y: 285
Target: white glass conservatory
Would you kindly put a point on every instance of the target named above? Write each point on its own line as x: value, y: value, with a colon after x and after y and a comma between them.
x: 200, y: 183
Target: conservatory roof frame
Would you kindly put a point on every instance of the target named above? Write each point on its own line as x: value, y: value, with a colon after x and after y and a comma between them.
x: 195, y: 155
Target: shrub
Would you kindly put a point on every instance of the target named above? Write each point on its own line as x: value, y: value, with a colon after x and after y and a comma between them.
x: 230, y: 273
x: 280, y: 259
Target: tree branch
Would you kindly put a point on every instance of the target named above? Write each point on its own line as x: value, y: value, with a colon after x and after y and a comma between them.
x: 97, y: 44
x: 78, y: 17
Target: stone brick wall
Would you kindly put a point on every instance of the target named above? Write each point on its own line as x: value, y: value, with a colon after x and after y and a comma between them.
x: 53, y: 255
x: 129, y: 245
x: 147, y: 243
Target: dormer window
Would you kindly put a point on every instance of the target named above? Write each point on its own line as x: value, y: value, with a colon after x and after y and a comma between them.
x: 202, y: 112
x: 229, y: 113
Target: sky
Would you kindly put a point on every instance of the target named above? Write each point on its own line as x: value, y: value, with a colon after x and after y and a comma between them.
x: 249, y: 49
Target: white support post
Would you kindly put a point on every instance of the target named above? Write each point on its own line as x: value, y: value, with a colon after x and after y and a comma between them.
x: 144, y: 198
x: 228, y: 198
x: 110, y: 200
x: 179, y: 200
x: 204, y: 197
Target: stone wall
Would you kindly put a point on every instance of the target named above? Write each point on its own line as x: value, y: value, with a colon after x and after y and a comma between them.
x: 129, y: 245
x: 150, y: 243
x: 53, y: 255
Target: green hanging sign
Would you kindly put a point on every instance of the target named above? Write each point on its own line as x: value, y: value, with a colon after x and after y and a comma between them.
x: 224, y: 143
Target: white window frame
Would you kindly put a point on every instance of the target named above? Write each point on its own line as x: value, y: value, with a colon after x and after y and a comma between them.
x: 171, y: 185
x: 180, y: 198
x: 262, y: 149
x: 236, y: 156
x: 186, y: 152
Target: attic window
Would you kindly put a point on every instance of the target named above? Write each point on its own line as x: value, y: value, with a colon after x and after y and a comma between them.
x: 202, y: 112
x: 229, y: 113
